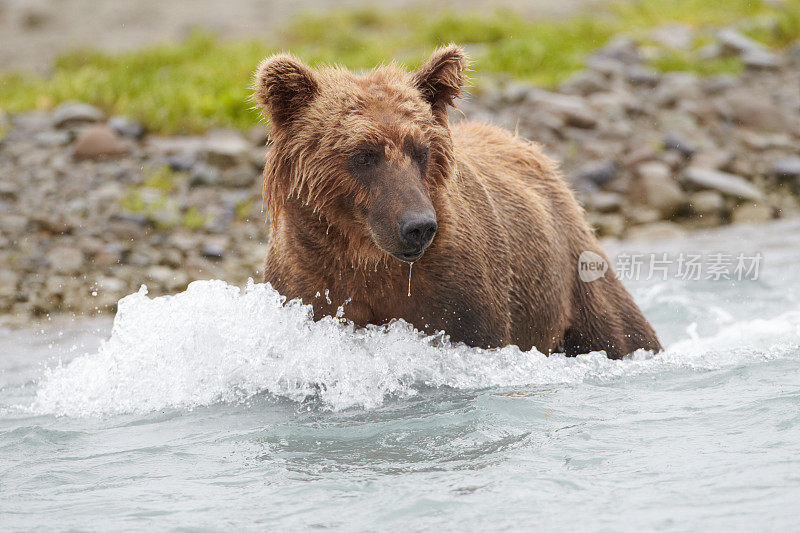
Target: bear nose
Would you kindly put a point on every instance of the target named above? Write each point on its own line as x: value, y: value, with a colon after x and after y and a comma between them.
x: 418, y: 229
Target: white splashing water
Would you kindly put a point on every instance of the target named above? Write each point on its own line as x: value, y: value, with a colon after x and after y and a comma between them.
x: 217, y: 343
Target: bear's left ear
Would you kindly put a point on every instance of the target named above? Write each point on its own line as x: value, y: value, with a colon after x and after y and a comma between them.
x: 441, y: 78
x: 283, y: 85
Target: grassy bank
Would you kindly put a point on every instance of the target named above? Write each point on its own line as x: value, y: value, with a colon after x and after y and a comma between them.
x: 203, y: 83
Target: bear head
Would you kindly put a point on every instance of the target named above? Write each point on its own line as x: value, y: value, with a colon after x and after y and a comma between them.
x: 367, y: 154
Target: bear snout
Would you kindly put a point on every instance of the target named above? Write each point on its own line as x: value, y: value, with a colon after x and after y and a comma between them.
x: 417, y: 231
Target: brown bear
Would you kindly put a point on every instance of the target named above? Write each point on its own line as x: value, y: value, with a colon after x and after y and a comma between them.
x: 379, y: 205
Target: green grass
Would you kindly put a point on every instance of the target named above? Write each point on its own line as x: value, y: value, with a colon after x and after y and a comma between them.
x: 163, y: 179
x: 676, y: 60
x: 204, y: 83
x: 153, y: 199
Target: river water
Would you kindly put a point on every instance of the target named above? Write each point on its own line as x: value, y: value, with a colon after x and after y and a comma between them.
x: 218, y: 409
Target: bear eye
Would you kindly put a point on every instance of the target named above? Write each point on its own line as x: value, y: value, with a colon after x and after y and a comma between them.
x: 365, y: 158
x: 420, y: 154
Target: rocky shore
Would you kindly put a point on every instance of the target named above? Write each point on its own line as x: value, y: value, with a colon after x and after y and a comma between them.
x: 92, y: 207
x: 656, y: 154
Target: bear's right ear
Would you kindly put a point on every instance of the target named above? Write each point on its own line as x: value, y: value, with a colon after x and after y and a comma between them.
x: 283, y: 85
x: 441, y: 78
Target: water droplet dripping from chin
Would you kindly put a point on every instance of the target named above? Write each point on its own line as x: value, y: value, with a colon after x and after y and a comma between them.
x: 410, y: 266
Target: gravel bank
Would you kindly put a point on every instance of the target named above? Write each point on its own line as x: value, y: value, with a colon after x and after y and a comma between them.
x: 91, y: 207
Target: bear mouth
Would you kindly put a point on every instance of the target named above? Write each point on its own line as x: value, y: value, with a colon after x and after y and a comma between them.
x: 409, y: 257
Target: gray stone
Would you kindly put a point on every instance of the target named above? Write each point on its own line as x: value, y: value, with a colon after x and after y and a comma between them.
x: 258, y: 158
x: 135, y: 219
x: 655, y: 231
x: 584, y: 83
x: 52, y: 138
x: 712, y: 158
x: 598, y: 172
x: 752, y: 213
x: 516, y: 92
x: 14, y: 224
x: 240, y: 176
x: 680, y: 144
x: 706, y: 203
x: 734, y: 43
x: 639, y: 154
x: 787, y: 167
x: 257, y: 135
x: 761, y: 60
x: 127, y: 127
x: 167, y: 217
x: 765, y: 141
x: 29, y: 123
x: 184, y: 241
x: 673, y: 36
x: 181, y: 162
x: 8, y: 283
x: 203, y: 174
x: 720, y: 83
x: 137, y: 259
x: 758, y: 113
x: 573, y: 109
x: 793, y: 53
x: 9, y: 190
x: 602, y: 201
x: 73, y: 113
x: 607, y: 224
x: 657, y: 188
x: 677, y: 87
x: 710, y: 51
x: 212, y: 251
x: 65, y: 259
x: 98, y: 141
x: 640, y: 75
x: 106, y: 258
x: 727, y: 184
x: 54, y: 222
x: 226, y: 151
x: 5, y: 124
x: 160, y: 274
x: 168, y: 146
x: 622, y: 49
x: 605, y: 65
x: 109, y: 291
x: 108, y: 192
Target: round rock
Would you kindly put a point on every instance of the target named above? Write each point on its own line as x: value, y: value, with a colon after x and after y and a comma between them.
x: 657, y: 188
x: 65, y: 259
x: 752, y: 213
x: 727, y: 184
x: 73, y: 113
x: 598, y: 172
x: 683, y: 146
x: 226, y: 151
x: 126, y: 127
x: 787, y: 167
x: 98, y: 141
x: 706, y: 203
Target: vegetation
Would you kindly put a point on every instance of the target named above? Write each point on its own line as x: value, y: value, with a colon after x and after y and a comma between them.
x: 203, y: 82
x: 153, y: 200
x: 678, y: 60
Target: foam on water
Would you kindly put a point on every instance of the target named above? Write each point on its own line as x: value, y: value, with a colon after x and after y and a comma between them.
x: 217, y: 343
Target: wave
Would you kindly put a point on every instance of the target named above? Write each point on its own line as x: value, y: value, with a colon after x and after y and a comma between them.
x: 218, y: 343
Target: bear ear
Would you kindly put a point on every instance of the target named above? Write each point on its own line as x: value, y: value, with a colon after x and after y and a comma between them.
x: 283, y: 85
x: 441, y: 78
